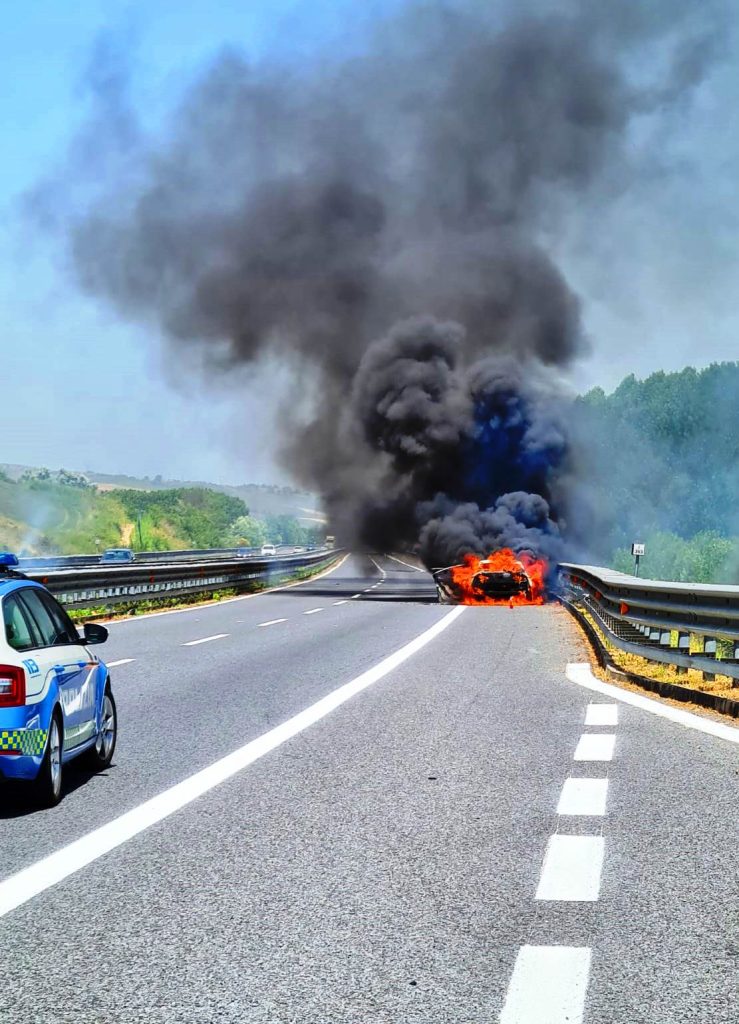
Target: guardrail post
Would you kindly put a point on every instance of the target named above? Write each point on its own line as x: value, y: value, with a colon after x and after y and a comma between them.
x: 696, y: 644
x: 709, y: 648
x: 681, y: 642
x: 724, y: 649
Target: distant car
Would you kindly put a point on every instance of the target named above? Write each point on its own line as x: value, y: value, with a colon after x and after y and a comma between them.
x: 245, y: 552
x: 486, y: 584
x: 118, y: 556
x: 269, y: 549
x: 56, y: 701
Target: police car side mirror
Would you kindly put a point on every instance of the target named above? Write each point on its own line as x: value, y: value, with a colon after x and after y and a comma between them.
x: 95, y: 633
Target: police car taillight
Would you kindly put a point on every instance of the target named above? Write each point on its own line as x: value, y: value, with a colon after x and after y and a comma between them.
x: 12, y: 686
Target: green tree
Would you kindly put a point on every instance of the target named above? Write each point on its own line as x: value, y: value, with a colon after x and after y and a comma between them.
x: 247, y: 531
x: 705, y: 558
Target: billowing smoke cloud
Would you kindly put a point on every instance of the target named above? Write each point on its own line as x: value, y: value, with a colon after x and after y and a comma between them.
x: 381, y: 222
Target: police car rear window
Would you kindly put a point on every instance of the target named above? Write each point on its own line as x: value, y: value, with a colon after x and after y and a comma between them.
x: 52, y: 628
x: 65, y: 630
x: 17, y: 628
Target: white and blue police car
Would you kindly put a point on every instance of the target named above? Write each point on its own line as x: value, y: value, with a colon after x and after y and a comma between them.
x: 56, y: 701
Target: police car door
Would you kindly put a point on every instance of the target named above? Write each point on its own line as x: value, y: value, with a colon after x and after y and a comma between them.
x: 73, y: 668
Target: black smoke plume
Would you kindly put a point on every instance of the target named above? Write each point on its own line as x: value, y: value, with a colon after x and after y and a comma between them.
x: 384, y: 223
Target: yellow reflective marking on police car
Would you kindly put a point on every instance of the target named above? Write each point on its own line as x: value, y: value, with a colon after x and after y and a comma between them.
x: 23, y: 741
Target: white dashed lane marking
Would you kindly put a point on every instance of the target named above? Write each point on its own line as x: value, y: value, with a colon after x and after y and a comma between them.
x: 271, y: 622
x: 572, y: 868
x: 583, y: 796
x: 601, y: 714
x: 313, y: 611
x: 205, y: 640
x: 595, y: 747
x: 341, y: 602
x: 548, y: 986
x: 121, y: 661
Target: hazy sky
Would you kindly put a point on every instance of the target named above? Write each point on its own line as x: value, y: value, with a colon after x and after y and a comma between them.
x: 658, y: 268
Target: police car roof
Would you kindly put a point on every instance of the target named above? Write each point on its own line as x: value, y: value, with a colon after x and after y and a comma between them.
x: 9, y: 583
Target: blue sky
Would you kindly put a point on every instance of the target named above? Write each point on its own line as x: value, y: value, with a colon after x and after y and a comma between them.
x: 101, y: 398
x: 658, y: 273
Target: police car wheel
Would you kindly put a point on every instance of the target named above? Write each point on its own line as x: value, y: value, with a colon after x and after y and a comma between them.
x: 48, y: 783
x: 101, y: 753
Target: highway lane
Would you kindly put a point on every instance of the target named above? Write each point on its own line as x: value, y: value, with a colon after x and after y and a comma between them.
x: 382, y: 865
x: 182, y: 707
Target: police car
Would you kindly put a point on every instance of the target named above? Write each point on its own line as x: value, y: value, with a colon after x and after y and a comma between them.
x: 56, y: 701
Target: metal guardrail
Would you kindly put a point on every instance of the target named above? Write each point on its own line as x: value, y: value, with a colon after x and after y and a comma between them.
x: 30, y: 563
x: 688, y: 625
x: 83, y: 587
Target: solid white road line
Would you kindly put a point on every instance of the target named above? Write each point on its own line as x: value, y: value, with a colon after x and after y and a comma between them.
x: 601, y: 714
x: 378, y: 567
x: 548, y: 986
x: 583, y: 796
x: 121, y: 661
x: 205, y: 640
x: 581, y: 674
x: 271, y: 622
x: 23, y: 886
x: 571, y: 869
x: 595, y: 747
x: 313, y: 611
x: 406, y: 564
x: 340, y: 602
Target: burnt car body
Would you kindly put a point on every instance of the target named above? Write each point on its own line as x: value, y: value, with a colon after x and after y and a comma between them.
x: 486, y: 584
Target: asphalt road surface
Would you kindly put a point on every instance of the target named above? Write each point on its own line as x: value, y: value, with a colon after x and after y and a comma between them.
x: 342, y: 802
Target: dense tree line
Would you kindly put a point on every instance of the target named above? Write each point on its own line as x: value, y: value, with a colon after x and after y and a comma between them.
x: 659, y: 458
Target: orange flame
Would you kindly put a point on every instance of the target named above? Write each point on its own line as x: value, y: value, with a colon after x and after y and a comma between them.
x: 504, y: 560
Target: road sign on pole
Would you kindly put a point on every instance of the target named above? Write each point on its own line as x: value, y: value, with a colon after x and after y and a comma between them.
x: 637, y: 550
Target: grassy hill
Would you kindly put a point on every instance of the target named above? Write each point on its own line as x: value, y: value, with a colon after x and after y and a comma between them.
x: 49, y: 516
x: 62, y: 513
x: 43, y: 517
x: 262, y: 499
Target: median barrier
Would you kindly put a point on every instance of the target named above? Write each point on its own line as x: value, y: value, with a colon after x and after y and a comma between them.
x: 105, y: 584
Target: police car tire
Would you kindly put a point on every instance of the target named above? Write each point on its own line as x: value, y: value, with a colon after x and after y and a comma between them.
x: 45, y: 792
x: 93, y: 760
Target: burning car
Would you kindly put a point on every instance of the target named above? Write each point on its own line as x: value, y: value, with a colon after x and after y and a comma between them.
x: 503, y: 578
